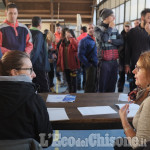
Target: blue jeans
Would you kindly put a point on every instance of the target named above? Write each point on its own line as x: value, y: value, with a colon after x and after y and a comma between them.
x: 108, y: 76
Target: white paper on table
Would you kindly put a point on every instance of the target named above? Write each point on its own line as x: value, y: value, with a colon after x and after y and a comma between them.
x: 96, y: 110
x: 123, y: 97
x: 133, y: 108
x: 55, y: 98
x: 56, y: 114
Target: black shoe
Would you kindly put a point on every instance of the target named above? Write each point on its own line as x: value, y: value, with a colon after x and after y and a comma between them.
x: 120, y: 90
x: 78, y: 88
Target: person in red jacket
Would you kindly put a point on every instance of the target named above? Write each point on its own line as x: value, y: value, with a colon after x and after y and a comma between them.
x: 83, y: 32
x: 57, y: 35
x: 68, y: 60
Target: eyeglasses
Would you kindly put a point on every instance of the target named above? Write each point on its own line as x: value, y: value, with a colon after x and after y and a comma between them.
x: 30, y: 69
x: 138, y: 67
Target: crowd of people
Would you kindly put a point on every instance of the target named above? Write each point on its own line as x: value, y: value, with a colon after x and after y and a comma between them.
x: 29, y: 60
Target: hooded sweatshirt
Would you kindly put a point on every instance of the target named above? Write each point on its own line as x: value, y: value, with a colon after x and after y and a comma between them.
x: 23, y: 113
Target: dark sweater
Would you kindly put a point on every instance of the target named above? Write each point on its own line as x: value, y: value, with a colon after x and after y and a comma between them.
x: 39, y: 54
x: 23, y: 113
x: 137, y: 42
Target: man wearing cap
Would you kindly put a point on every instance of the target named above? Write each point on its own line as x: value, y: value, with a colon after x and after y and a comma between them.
x: 121, y: 81
x: 108, y: 40
x: 137, y: 42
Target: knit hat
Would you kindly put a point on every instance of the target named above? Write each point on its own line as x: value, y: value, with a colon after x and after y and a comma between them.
x: 104, y: 13
x: 127, y: 24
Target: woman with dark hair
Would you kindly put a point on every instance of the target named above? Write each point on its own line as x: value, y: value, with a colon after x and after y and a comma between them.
x: 23, y: 113
x: 68, y: 60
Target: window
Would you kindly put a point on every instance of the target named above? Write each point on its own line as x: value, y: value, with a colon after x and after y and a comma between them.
x: 98, y: 1
x: 117, y: 15
x: 141, y: 6
x: 120, y: 28
x: 132, y: 24
x: 117, y: 27
x: 114, y: 14
x: 133, y: 10
x: 127, y: 11
x: 121, y: 13
x: 113, y: 10
x: 147, y: 3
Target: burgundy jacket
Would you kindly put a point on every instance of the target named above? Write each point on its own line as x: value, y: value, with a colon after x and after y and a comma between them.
x: 73, y: 61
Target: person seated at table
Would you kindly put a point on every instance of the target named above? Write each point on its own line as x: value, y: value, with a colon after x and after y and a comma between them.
x: 23, y: 113
x: 140, y: 134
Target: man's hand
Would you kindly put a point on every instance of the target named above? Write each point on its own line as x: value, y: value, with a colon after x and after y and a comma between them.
x: 147, y: 28
x: 112, y: 24
x: 127, y: 69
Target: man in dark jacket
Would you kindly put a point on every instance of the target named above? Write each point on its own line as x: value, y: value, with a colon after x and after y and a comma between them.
x: 121, y: 81
x: 87, y: 53
x: 108, y: 38
x: 137, y: 40
x: 39, y: 56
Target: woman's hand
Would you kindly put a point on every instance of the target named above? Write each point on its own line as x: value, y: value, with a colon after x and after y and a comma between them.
x: 124, y: 111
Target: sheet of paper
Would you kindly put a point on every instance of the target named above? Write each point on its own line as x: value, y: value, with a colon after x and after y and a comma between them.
x: 96, y: 110
x: 133, y: 108
x: 56, y: 114
x: 60, y: 98
x: 55, y: 98
x: 123, y: 97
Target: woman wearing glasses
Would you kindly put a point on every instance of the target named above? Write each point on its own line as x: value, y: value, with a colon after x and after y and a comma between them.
x: 23, y: 113
x: 140, y: 134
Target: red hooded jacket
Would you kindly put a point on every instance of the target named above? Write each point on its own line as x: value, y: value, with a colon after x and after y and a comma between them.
x: 73, y: 61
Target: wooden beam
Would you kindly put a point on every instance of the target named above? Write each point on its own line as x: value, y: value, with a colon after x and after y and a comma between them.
x: 52, y: 9
x: 55, y: 16
x: 74, y: 12
x: 34, y: 11
x: 74, y: 1
x: 48, y: 11
x: 56, y: 1
x: 52, y: 15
